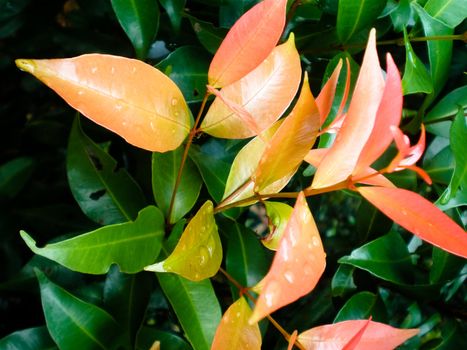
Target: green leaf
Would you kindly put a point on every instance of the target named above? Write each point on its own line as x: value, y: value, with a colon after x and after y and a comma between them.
x: 130, y: 245
x: 231, y: 10
x: 126, y: 298
x: 361, y: 306
x: 440, y: 167
x: 140, y: 21
x: 449, y: 104
x: 342, y: 281
x: 14, y: 175
x: 188, y: 67
x: 279, y: 214
x: 73, y: 323
x: 386, y: 257
x: 198, y: 254
x: 36, y: 338
x: 208, y: 35
x: 371, y: 222
x: 9, y: 9
x: 196, y: 306
x: 416, y: 77
x: 401, y: 16
x: 106, y: 194
x: 168, y: 341
x: 174, y: 10
x: 353, y: 16
x: 450, y: 12
x: 445, y: 266
x: 165, y: 167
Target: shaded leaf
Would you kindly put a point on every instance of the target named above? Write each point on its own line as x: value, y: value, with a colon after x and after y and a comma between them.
x: 297, y: 266
x: 419, y: 216
x: 174, y: 10
x: 234, y: 331
x: 362, y: 306
x: 106, y: 193
x: 13, y: 176
x: 231, y: 10
x: 449, y: 104
x: 248, y: 43
x: 445, y: 266
x: 140, y: 21
x: 342, y: 281
x: 37, y: 338
x: 198, y: 254
x: 169, y: 341
x: 130, y: 245
x: 450, y: 12
x: 335, y: 336
x: 265, y: 93
x: 73, y: 323
x: 209, y: 36
x: 126, y: 96
x: 165, y: 167
x: 279, y: 215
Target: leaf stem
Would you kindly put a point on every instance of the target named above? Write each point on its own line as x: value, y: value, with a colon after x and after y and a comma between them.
x: 192, y: 134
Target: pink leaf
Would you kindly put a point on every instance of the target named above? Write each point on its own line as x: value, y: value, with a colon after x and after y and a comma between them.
x: 355, y: 340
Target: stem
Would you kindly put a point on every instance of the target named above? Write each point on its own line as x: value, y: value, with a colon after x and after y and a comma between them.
x: 245, y: 292
x: 192, y: 134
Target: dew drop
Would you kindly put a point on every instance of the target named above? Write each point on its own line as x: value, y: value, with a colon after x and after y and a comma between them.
x: 133, y: 70
x: 307, y: 269
x: 153, y: 127
x: 305, y: 217
x: 174, y: 102
x: 238, y: 314
x: 272, y: 293
x: 203, y: 255
x: 404, y: 212
x: 285, y: 251
x: 315, y: 241
x: 93, y: 70
x: 112, y: 70
x: 118, y: 107
x: 80, y: 92
x: 293, y: 237
x: 289, y: 276
x: 173, y: 131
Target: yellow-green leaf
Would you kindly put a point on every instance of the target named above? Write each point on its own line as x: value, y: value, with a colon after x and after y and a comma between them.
x: 265, y: 93
x: 198, y: 254
x: 234, y: 331
x: 126, y: 96
x: 279, y: 214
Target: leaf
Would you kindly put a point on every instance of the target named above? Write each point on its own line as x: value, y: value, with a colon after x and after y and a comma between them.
x: 198, y: 254
x: 165, y: 167
x: 355, y: 340
x: 208, y: 35
x: 248, y: 43
x: 187, y: 66
x: 169, y: 341
x: 335, y: 336
x: 416, y: 77
x: 291, y: 142
x: 361, y: 306
x: 196, y: 306
x: 297, y: 266
x: 36, y: 338
x: 450, y: 12
x: 130, y: 245
x: 386, y: 257
x: 352, y: 16
x: 140, y: 21
x: 325, y: 99
x: 106, y: 193
x: 73, y: 323
x: 342, y: 158
x: 343, y: 281
x: 440, y: 167
x: 265, y: 93
x: 449, y: 104
x: 419, y: 216
x: 234, y: 331
x: 445, y: 266
x: 14, y: 174
x: 279, y: 215
x: 174, y: 10
x: 126, y: 96
x: 231, y: 10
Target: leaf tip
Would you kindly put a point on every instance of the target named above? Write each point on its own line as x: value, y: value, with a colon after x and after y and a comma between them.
x: 26, y: 65
x: 157, y: 267
x: 30, y: 242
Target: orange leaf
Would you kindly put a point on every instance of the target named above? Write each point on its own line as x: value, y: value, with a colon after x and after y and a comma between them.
x: 292, y: 340
x: 419, y: 216
x: 248, y: 43
x: 291, y: 142
x: 297, y: 266
x: 355, y: 340
x: 234, y: 331
x: 126, y: 96
x: 388, y: 116
x: 265, y: 93
x: 335, y: 336
x: 326, y: 95
x: 342, y: 158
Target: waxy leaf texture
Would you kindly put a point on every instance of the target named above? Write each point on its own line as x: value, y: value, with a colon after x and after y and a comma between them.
x: 126, y: 96
x: 198, y: 254
x: 297, y: 266
x: 248, y: 43
x: 264, y: 93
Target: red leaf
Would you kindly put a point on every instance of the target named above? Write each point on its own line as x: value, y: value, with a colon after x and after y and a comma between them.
x: 355, y: 340
x: 248, y: 43
x: 297, y: 266
x: 335, y: 336
x: 292, y: 340
x: 342, y: 158
x: 419, y: 216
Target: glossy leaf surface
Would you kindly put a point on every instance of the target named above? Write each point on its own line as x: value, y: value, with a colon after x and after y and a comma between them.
x: 265, y: 93
x: 165, y: 168
x: 168, y: 340
x: 198, y: 254
x: 106, y: 193
x: 208, y: 35
x: 234, y: 331
x: 336, y: 336
x: 362, y: 306
x: 419, y: 216
x: 130, y: 245
x: 248, y: 43
x: 140, y: 21
x: 297, y: 266
x: 126, y: 96
x: 174, y: 10
x: 449, y: 104
x: 73, y: 323
x: 36, y: 338
x: 279, y: 215
x: 450, y: 12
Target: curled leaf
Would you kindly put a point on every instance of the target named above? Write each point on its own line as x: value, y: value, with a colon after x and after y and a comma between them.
x: 248, y: 43
x: 234, y: 331
x: 297, y: 266
x: 126, y: 96
x: 198, y: 254
x: 279, y: 214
